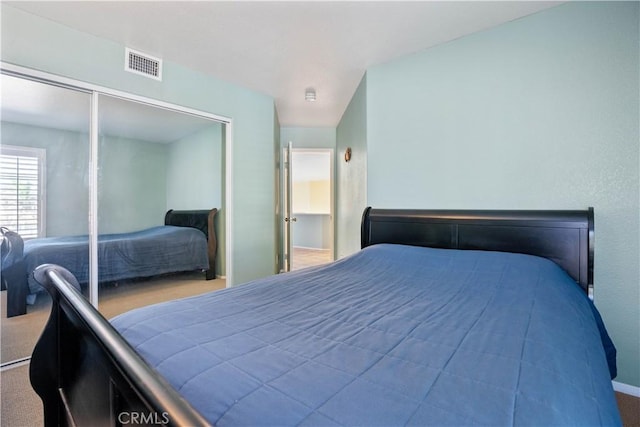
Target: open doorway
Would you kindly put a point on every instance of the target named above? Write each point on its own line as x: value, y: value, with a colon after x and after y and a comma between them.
x: 308, y: 208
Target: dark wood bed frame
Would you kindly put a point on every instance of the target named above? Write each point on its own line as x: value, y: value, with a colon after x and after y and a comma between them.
x: 565, y: 237
x: 203, y: 220
x: 87, y: 374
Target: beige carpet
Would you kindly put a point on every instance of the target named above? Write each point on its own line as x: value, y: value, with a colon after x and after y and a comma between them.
x: 21, y: 406
x: 19, y: 334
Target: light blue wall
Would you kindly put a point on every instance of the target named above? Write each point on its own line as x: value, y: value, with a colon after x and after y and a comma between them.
x: 539, y: 113
x: 129, y: 195
x: 351, y: 194
x: 67, y: 174
x: 277, y: 220
x: 312, y: 231
x: 131, y: 184
x: 30, y: 41
x: 194, y: 170
x: 308, y: 137
x: 195, y: 179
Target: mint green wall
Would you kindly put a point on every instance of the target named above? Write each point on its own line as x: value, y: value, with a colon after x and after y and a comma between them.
x: 129, y: 195
x: 308, y: 137
x: 67, y: 174
x: 278, y: 193
x: 194, y: 179
x: 351, y: 197
x: 131, y: 184
x: 538, y: 113
x: 194, y: 170
x: 30, y: 41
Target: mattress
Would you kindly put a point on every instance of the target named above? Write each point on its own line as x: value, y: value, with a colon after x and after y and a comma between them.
x: 145, y: 253
x: 392, y: 335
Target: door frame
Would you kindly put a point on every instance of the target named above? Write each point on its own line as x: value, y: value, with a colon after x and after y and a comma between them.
x: 286, y: 167
x: 95, y: 91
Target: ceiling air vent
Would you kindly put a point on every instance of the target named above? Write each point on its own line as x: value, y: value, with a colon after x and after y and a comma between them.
x: 143, y: 64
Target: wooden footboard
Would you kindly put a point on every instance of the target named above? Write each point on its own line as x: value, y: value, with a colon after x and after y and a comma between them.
x: 87, y: 374
x: 203, y: 220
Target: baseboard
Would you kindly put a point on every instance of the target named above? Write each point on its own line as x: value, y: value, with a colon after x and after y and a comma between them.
x: 312, y: 249
x: 626, y: 388
x: 221, y: 277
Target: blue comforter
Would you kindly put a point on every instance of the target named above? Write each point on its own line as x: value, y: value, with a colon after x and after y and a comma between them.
x: 393, y: 335
x: 145, y: 253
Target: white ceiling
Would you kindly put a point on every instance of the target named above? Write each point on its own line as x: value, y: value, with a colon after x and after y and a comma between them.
x: 281, y: 48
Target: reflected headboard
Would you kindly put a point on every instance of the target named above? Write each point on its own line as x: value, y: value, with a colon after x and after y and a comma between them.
x: 203, y: 220
x: 564, y: 236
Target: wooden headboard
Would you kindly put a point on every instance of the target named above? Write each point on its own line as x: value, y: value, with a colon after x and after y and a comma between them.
x: 564, y: 236
x: 203, y: 220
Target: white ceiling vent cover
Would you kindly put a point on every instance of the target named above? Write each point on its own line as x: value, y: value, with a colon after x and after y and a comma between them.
x: 143, y: 64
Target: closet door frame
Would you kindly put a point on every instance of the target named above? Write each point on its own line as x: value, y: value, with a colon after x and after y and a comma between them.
x: 95, y: 91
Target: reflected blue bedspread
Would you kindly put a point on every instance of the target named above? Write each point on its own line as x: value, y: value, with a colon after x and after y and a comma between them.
x: 393, y: 335
x: 145, y: 253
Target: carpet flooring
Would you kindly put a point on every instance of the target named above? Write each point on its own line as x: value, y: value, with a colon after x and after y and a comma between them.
x: 20, y: 406
x: 19, y: 334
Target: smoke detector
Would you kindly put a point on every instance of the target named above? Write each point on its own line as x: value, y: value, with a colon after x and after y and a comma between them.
x: 143, y: 64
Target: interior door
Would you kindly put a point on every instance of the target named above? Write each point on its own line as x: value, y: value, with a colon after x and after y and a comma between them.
x: 307, y: 207
x: 287, y: 208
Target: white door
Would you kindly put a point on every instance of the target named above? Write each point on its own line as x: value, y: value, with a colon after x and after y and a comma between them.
x: 287, y: 206
x: 307, y: 207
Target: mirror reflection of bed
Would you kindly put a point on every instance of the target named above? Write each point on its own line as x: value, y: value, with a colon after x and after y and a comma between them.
x: 150, y: 160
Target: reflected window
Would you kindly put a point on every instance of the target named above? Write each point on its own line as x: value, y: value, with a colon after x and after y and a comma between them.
x: 22, y: 190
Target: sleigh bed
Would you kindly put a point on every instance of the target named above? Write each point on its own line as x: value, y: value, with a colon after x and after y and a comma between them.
x: 443, y: 318
x: 186, y: 242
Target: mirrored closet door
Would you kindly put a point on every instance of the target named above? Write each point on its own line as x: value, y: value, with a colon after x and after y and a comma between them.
x: 44, y: 199
x: 126, y: 195
x: 160, y: 193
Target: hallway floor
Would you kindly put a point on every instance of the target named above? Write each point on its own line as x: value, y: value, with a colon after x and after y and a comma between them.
x: 305, y: 257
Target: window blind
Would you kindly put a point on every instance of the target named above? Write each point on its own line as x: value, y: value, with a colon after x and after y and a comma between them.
x: 20, y: 194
